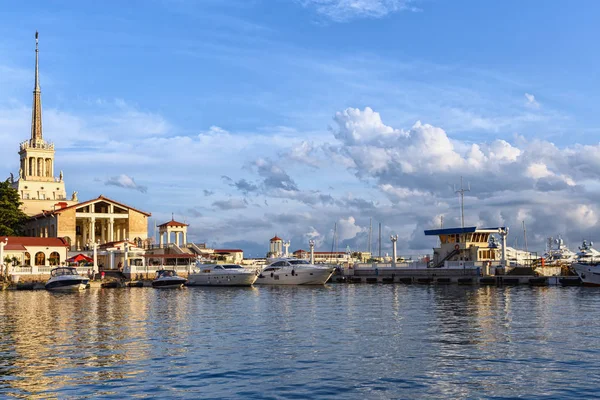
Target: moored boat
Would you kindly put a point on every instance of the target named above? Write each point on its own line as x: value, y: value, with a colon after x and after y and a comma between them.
x: 587, y: 266
x: 221, y: 275
x: 66, y: 279
x: 293, y: 271
x: 168, y: 279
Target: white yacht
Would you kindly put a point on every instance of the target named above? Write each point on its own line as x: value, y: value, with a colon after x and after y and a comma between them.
x: 587, y: 266
x: 66, y: 279
x: 293, y: 271
x: 221, y: 275
x: 168, y: 279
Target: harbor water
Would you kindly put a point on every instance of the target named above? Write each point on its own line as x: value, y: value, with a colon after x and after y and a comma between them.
x: 336, y: 341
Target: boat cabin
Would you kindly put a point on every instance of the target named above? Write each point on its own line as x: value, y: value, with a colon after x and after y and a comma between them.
x: 63, y: 271
x: 466, y: 244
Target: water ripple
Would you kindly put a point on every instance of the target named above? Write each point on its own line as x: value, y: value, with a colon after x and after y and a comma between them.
x: 339, y: 341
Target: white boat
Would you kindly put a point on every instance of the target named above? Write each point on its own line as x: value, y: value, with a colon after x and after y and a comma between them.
x: 66, y: 279
x: 168, y: 279
x: 221, y: 275
x: 587, y: 266
x: 293, y: 271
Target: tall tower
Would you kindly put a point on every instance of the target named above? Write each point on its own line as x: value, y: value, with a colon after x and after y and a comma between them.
x: 38, y: 187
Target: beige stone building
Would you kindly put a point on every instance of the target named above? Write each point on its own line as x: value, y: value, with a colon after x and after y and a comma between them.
x: 100, y: 220
x: 37, y: 183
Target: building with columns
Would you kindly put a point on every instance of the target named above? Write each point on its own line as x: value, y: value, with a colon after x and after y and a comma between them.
x: 276, y: 246
x: 37, y: 184
x: 177, y: 228
x: 101, y: 220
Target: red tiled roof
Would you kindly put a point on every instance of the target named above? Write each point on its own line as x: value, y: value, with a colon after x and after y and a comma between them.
x: 18, y: 247
x: 173, y: 223
x: 275, y: 238
x: 59, y: 210
x: 34, y: 241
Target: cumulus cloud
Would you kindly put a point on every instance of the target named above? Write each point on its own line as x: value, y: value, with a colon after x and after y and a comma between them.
x: 126, y: 182
x: 345, y: 10
x: 530, y: 101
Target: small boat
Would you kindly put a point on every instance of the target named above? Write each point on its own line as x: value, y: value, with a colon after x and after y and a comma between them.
x: 221, y: 275
x: 587, y: 266
x: 168, y: 279
x: 66, y: 279
x: 293, y: 271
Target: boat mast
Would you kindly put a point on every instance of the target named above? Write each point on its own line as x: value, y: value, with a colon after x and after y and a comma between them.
x: 462, y: 191
x: 380, y: 242
x: 370, y: 236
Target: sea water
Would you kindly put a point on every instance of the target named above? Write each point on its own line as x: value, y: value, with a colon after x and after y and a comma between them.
x: 333, y: 341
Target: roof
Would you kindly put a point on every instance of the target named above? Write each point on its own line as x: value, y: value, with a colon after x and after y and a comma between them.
x: 466, y: 229
x: 173, y: 223
x: 25, y: 241
x: 169, y: 256
x: 229, y: 251
x: 15, y: 247
x: 60, y: 210
x: 276, y: 238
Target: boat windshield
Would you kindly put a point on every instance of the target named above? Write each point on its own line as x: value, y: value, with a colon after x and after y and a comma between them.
x: 63, y: 271
x: 232, y: 266
x: 297, y: 262
x: 166, y: 272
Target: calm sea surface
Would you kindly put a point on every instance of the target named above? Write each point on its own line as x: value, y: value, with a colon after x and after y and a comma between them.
x: 338, y: 341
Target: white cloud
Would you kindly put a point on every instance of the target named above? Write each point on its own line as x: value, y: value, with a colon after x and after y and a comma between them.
x: 530, y: 101
x: 344, y: 10
x: 126, y: 182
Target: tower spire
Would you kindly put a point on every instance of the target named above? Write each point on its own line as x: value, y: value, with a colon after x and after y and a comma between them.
x: 36, y: 112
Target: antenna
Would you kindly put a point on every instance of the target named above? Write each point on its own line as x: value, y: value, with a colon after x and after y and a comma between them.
x: 380, y: 242
x: 462, y: 191
x: 525, y: 236
x: 370, y: 235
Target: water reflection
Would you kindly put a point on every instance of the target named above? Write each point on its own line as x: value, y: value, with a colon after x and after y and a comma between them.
x: 343, y: 341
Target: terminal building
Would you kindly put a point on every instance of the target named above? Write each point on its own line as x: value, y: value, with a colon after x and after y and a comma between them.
x: 52, y: 213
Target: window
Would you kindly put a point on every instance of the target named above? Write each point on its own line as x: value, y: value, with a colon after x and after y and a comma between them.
x: 279, y: 264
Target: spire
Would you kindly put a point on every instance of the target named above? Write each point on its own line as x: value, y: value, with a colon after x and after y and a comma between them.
x: 36, y: 112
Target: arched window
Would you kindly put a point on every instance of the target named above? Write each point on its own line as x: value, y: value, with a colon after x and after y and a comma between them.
x: 40, y: 258
x: 27, y: 260
x: 54, y: 258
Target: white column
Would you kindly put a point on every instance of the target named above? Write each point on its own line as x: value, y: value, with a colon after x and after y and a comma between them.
x: 93, y: 229
x: 160, y: 239
x: 95, y: 257
x: 103, y: 231
x: 125, y: 262
x: 111, y: 229
x: 177, y: 238
x: 184, y: 238
x: 84, y: 228
x: 2, y: 244
x: 394, y: 239
x: 311, y: 243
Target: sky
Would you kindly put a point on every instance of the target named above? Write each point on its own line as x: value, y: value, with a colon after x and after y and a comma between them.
x: 254, y: 118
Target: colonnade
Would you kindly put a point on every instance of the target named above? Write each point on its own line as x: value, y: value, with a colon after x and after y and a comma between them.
x: 165, y: 237
x: 37, y: 166
x: 110, y: 230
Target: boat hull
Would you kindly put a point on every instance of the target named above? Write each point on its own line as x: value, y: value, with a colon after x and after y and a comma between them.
x: 70, y: 285
x: 169, y: 283
x: 588, y: 273
x: 285, y: 277
x: 210, y: 279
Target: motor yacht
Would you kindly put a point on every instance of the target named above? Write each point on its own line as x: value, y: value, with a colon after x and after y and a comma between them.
x: 66, y: 279
x: 587, y: 266
x: 168, y: 279
x: 293, y: 271
x: 221, y: 275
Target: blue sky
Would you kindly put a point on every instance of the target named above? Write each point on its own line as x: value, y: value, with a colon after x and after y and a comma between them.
x: 250, y: 118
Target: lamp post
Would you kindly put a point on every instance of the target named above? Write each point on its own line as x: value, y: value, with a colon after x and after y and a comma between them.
x: 311, y: 243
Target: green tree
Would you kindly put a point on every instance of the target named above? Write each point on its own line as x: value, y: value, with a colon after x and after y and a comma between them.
x: 12, y: 218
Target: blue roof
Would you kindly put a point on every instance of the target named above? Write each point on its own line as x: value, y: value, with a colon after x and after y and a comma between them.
x: 451, y: 231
